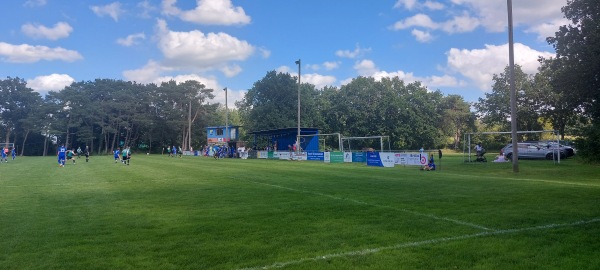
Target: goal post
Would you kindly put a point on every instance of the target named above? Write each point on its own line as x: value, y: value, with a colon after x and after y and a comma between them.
x: 302, y: 138
x: 381, y: 140
x: 7, y: 145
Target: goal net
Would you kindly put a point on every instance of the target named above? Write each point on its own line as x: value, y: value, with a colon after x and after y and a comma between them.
x: 376, y: 143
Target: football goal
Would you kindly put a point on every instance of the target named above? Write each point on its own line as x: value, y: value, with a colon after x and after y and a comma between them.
x: 374, y: 142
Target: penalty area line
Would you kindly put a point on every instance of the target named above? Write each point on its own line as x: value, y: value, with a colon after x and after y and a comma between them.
x: 419, y: 243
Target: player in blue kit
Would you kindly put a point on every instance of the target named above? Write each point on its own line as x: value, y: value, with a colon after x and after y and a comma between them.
x: 116, y: 153
x: 4, y: 158
x: 62, y: 152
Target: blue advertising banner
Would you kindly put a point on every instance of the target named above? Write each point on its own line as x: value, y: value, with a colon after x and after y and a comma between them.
x: 380, y: 159
x: 315, y: 156
x: 373, y: 159
x: 359, y: 157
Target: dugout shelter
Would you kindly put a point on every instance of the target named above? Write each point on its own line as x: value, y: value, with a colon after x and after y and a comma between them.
x: 279, y: 139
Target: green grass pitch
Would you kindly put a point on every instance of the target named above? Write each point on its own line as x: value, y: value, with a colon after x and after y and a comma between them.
x: 201, y: 213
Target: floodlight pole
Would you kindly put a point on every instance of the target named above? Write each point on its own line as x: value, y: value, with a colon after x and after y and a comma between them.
x: 298, y: 137
x: 513, y: 95
x: 226, y: 120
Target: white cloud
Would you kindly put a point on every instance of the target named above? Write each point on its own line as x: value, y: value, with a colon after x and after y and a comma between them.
x: 422, y: 36
x: 433, y: 5
x: 35, y: 3
x: 419, y: 20
x: 113, y: 10
x: 545, y: 30
x: 285, y: 69
x: 52, y: 82
x: 231, y: 71
x: 210, y: 12
x: 318, y: 80
x: 460, y: 24
x: 145, y: 9
x: 358, y: 52
x: 146, y: 74
x: 479, y: 65
x: 26, y: 53
x: 407, y: 4
x: 60, y: 30
x: 197, y: 50
x: 131, y: 40
x: 493, y: 14
x: 265, y: 53
x: 414, y: 4
x: 366, y: 68
x: 331, y: 65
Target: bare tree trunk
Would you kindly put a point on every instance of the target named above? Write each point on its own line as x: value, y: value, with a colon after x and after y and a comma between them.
x: 8, y: 133
x: 45, y: 145
x: 24, y: 140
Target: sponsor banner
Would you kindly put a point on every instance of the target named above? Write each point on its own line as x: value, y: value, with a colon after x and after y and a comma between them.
x: 315, y: 156
x: 336, y: 157
x: 380, y: 159
x: 347, y: 156
x: 299, y: 156
x: 373, y: 159
x: 359, y: 157
x: 415, y: 159
x: 283, y: 155
x: 262, y: 154
x: 327, y: 157
x: 272, y: 155
x: 244, y: 154
x: 387, y: 159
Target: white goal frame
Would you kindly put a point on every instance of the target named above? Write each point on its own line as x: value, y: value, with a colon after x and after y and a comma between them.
x: 381, y: 139
x: 467, y: 140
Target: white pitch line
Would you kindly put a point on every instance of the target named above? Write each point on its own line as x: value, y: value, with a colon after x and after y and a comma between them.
x: 419, y: 243
x: 529, y: 180
x: 380, y: 206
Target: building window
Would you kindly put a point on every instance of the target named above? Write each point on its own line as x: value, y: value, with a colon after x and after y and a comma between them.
x: 219, y: 132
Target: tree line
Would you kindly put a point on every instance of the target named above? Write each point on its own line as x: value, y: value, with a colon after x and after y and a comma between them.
x: 102, y: 114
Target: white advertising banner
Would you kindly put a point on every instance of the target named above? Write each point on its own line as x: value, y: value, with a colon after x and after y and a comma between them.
x: 416, y: 159
x: 262, y: 154
x: 347, y: 156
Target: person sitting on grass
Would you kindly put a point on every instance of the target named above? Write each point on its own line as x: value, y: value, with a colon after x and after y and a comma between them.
x: 500, y: 158
x: 430, y: 166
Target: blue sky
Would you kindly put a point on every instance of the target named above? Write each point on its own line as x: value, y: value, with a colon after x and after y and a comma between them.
x: 452, y: 45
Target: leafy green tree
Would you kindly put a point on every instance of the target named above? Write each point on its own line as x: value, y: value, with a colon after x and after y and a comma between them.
x: 561, y: 102
x: 18, y: 105
x: 456, y: 118
x: 494, y: 109
x: 578, y: 50
x: 272, y: 103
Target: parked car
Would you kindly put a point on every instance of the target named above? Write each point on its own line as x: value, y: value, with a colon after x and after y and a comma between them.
x: 569, y: 150
x: 534, y: 150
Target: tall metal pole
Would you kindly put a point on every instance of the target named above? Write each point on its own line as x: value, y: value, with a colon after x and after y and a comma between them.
x: 226, y: 119
x: 298, y: 137
x: 513, y: 95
